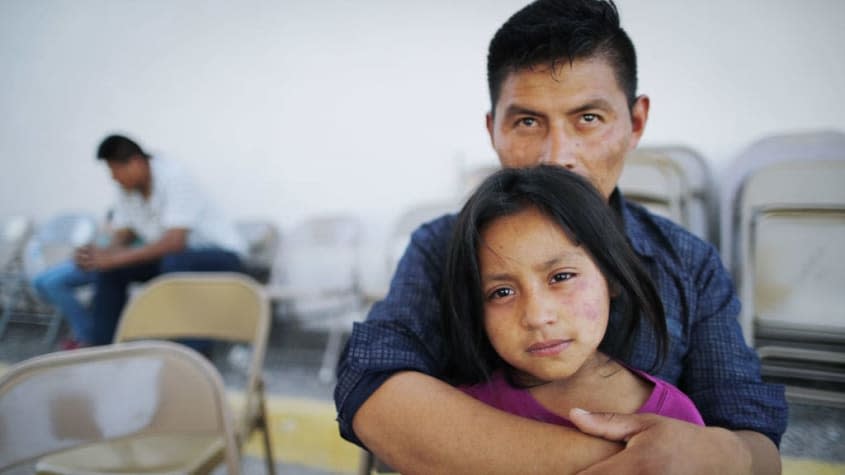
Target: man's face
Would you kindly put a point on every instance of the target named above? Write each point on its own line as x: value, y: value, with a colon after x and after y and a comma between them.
x: 131, y: 174
x: 575, y: 116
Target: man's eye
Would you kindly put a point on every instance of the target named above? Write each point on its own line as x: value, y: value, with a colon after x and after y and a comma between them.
x: 562, y: 276
x: 527, y: 122
x: 590, y: 118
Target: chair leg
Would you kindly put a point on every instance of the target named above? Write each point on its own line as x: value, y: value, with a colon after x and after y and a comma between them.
x: 264, y: 424
x: 9, y: 306
x: 52, y: 329
x: 366, y: 463
x: 330, y: 355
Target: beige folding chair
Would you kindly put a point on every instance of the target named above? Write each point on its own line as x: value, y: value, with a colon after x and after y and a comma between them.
x: 224, y: 306
x: 791, y: 273
x: 146, y: 392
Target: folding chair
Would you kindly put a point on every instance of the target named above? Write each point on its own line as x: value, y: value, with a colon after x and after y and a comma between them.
x: 674, y: 182
x: 811, y: 145
x: 791, y: 273
x: 143, y: 392
x: 315, y: 279
x: 14, y: 231
x: 224, y: 306
x: 53, y: 242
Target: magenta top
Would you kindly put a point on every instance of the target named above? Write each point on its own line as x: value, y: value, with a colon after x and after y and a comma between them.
x: 665, y: 400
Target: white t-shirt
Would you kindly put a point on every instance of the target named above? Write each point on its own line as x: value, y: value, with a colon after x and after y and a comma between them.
x: 176, y: 202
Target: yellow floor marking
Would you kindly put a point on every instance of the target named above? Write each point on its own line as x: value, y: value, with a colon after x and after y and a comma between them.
x: 304, y: 432
x: 797, y: 466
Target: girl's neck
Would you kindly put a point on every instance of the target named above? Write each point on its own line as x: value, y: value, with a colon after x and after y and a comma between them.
x: 598, y: 364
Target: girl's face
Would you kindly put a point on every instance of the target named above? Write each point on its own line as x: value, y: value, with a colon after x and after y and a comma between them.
x: 546, y: 303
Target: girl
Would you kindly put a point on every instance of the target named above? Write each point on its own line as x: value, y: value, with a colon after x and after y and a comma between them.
x: 536, y: 258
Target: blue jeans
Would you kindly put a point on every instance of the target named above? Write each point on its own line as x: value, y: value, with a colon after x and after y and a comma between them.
x: 112, y: 286
x: 57, y: 286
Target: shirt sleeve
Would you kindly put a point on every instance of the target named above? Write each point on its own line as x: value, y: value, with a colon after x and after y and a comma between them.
x: 722, y: 373
x: 401, y: 332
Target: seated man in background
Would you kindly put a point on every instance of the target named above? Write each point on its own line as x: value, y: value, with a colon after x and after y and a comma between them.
x: 178, y: 227
x: 562, y: 81
x: 58, y: 285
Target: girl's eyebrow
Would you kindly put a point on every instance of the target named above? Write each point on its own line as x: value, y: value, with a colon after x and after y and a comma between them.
x: 566, y: 257
x: 563, y: 258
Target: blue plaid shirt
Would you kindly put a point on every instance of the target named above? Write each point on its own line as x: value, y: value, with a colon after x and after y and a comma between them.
x: 707, y: 358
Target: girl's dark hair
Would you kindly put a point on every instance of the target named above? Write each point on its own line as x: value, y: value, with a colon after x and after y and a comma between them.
x: 586, y: 218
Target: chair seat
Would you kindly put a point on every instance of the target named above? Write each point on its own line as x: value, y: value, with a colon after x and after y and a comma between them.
x: 176, y: 454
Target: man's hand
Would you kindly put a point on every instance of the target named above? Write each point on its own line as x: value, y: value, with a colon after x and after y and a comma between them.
x: 661, y: 445
x: 95, y: 258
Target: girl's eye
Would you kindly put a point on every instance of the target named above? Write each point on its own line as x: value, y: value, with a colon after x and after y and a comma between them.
x: 562, y: 276
x: 501, y: 293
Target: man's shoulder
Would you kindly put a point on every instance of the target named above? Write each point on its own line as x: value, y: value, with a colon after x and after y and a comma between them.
x: 435, y: 230
x: 662, y: 238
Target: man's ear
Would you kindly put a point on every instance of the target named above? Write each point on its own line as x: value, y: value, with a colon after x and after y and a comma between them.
x: 639, y: 118
x: 490, y: 123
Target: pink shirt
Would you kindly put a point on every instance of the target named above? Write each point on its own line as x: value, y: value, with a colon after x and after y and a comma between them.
x: 665, y: 400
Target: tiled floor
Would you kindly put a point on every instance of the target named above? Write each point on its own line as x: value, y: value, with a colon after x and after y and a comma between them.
x: 813, y: 444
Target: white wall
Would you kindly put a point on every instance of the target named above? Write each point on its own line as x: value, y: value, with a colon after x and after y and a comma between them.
x: 290, y: 108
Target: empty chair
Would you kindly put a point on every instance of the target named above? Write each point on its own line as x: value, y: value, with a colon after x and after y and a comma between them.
x: 53, y: 242
x: 224, y: 306
x: 144, y: 392
x: 812, y: 145
x: 674, y: 182
x: 315, y: 279
x: 790, y: 267
x: 262, y: 238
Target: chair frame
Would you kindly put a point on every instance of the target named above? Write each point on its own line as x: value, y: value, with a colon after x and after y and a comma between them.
x: 144, y: 317
x: 191, y: 367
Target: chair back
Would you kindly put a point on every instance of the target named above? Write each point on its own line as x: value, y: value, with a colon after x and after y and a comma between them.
x: 218, y: 305
x: 14, y: 230
x: 317, y: 269
x: 674, y: 182
x: 791, y: 263
x: 72, y: 399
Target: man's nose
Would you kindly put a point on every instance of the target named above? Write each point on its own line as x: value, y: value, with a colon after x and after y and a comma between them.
x: 560, y: 150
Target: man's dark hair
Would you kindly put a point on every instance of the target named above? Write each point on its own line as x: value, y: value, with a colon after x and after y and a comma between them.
x: 583, y: 214
x: 117, y: 148
x: 548, y: 32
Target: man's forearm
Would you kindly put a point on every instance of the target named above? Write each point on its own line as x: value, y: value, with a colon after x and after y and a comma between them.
x: 418, y: 424
x: 765, y: 458
x: 172, y: 241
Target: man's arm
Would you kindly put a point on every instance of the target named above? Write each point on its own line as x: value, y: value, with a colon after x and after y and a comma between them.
x: 418, y: 424
x: 692, y: 449
x: 91, y: 258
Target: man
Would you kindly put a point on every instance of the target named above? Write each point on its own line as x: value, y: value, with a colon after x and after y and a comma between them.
x: 562, y: 78
x: 178, y: 228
